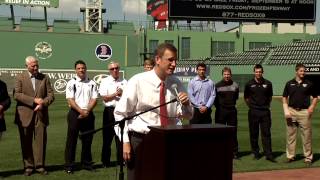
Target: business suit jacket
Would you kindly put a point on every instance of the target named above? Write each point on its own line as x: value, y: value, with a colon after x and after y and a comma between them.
x: 5, y: 102
x: 24, y: 94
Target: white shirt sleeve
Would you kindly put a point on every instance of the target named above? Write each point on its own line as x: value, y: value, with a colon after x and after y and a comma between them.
x: 126, y: 107
x: 103, y: 90
x: 70, y: 89
x: 184, y: 111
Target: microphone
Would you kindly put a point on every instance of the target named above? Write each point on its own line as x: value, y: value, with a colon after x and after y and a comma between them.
x: 174, y: 87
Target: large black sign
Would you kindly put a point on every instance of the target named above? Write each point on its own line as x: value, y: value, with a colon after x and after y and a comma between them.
x: 244, y: 10
x: 312, y: 68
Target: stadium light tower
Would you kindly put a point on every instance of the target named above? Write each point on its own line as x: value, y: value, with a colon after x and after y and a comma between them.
x: 93, y: 16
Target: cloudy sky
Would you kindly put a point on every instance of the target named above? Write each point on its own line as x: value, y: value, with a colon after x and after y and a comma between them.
x: 133, y: 10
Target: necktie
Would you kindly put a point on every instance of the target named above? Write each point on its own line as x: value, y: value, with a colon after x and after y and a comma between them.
x: 33, y: 80
x: 163, y: 109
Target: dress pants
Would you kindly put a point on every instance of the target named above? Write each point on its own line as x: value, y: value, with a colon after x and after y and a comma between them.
x: 33, y: 141
x: 108, y: 135
x: 201, y: 118
x: 135, y: 140
x: 260, y: 118
x: 74, y: 126
x: 303, y: 122
x: 228, y: 116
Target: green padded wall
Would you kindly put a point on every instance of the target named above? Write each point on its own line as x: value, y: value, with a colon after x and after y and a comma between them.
x: 66, y: 48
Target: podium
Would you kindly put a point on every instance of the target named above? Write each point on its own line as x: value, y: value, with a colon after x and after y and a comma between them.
x: 188, y: 152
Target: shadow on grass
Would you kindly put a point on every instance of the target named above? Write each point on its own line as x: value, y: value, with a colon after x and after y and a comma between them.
x: 316, y: 157
x: 50, y: 168
x: 54, y: 168
x: 244, y: 153
x: 275, y: 154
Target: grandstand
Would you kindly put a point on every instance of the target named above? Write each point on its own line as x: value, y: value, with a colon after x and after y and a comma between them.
x: 299, y: 52
x: 278, y: 62
x: 307, y: 52
x: 254, y: 56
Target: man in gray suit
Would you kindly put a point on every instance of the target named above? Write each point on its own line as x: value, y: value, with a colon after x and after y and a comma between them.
x: 33, y: 93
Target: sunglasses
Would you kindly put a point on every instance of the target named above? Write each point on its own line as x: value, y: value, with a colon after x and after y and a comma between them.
x: 115, y: 68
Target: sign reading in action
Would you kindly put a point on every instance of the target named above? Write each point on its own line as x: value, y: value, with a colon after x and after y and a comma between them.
x: 46, y: 3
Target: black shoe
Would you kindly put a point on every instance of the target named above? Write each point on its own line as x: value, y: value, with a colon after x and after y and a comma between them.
x: 68, y: 170
x: 88, y: 168
x: 256, y: 156
x: 28, y: 172
x: 236, y: 156
x: 106, y: 165
x: 271, y: 159
x: 290, y: 160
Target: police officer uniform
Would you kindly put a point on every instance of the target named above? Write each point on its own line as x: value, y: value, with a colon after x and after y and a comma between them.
x: 227, y: 94
x: 82, y: 91
x: 259, y: 95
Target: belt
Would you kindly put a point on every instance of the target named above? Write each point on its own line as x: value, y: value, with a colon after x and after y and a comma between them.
x: 136, y: 134
x: 227, y: 107
x: 109, y: 106
x: 298, y: 109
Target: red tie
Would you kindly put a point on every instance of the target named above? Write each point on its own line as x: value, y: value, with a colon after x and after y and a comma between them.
x: 163, y: 109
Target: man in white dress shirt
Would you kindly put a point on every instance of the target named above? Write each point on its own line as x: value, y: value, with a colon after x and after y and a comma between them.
x: 143, y: 92
x: 110, y: 91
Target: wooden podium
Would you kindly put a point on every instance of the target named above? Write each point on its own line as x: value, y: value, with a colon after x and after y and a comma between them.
x: 189, y: 152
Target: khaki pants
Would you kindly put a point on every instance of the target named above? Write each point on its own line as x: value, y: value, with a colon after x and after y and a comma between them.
x: 302, y: 121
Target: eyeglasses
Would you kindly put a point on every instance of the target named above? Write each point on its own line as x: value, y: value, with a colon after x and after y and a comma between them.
x: 115, y: 68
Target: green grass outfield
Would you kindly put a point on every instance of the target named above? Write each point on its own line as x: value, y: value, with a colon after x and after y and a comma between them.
x: 11, y: 163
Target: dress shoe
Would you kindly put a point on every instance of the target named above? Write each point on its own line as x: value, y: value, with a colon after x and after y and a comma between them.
x: 308, y: 163
x: 256, y: 156
x: 236, y: 156
x: 106, y: 165
x: 271, y: 159
x: 88, y: 168
x: 68, y: 170
x: 42, y: 171
x: 290, y: 160
x: 28, y: 172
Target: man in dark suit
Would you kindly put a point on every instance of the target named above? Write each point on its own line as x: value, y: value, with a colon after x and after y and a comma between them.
x: 4, y: 105
x: 33, y: 93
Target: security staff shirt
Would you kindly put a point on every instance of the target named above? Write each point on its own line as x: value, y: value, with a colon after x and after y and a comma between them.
x: 259, y: 93
x: 299, y: 93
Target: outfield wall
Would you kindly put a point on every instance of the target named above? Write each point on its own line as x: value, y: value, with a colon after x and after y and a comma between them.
x: 66, y: 49
x: 278, y: 75
x: 128, y: 50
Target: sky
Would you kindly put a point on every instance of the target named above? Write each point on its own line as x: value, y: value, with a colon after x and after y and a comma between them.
x: 131, y: 10
x: 70, y: 9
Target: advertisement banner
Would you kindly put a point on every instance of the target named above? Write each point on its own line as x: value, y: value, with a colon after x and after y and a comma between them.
x: 58, y: 77
x: 46, y: 3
